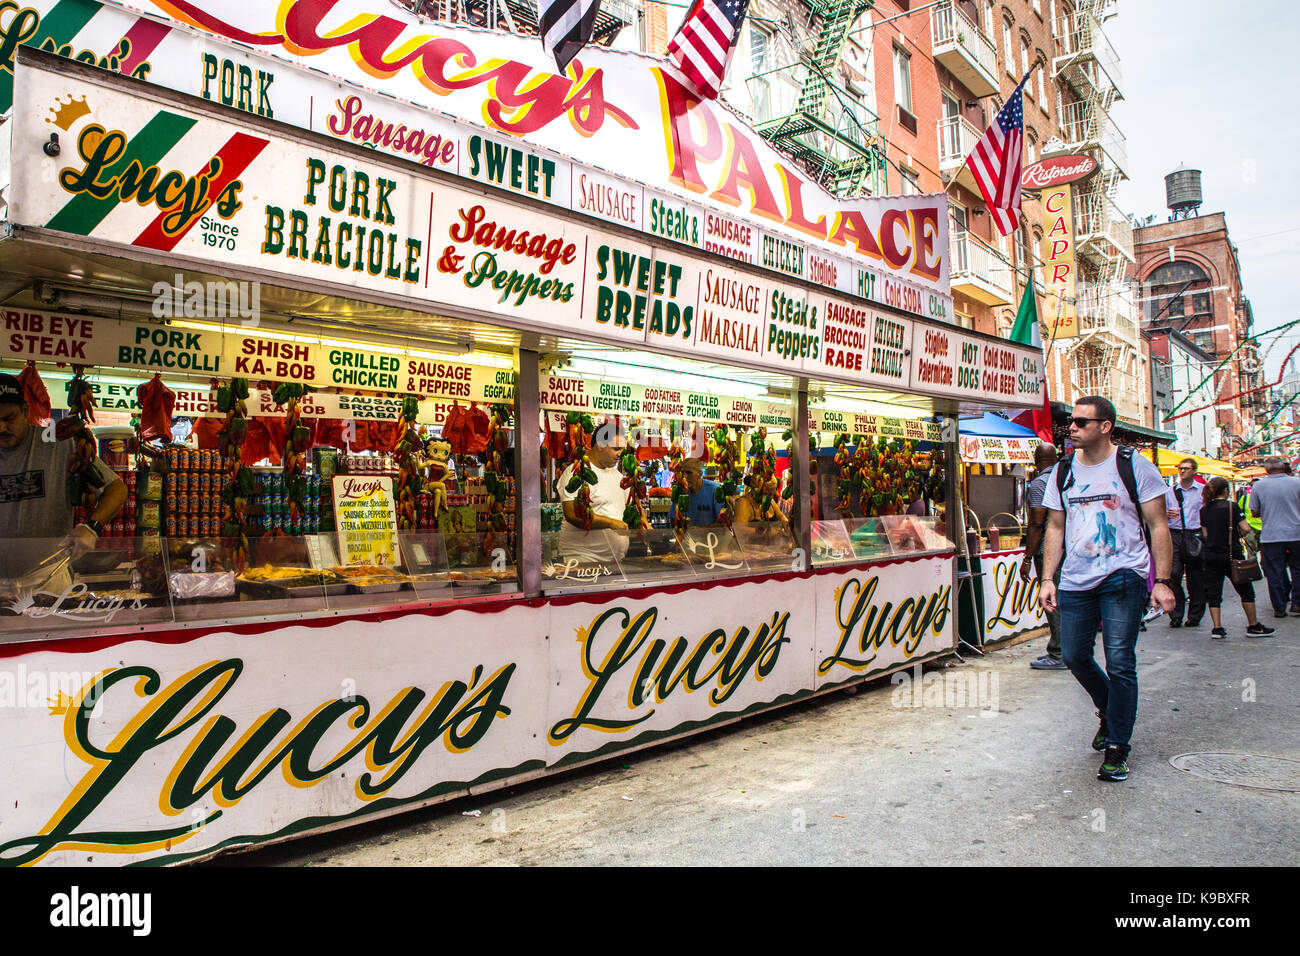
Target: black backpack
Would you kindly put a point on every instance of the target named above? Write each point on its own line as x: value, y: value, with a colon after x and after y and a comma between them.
x: 1124, y: 465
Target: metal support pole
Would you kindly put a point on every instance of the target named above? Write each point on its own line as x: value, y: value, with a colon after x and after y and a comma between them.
x: 955, y: 512
x: 528, y: 474
x: 802, y: 510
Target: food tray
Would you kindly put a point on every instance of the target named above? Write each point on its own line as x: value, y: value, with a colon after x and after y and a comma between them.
x: 277, y: 590
x: 382, y: 587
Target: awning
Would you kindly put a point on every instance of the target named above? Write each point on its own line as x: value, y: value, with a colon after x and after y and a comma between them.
x: 993, y: 426
x: 1169, y: 460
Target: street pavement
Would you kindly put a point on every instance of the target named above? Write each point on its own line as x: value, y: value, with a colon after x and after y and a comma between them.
x: 869, y: 778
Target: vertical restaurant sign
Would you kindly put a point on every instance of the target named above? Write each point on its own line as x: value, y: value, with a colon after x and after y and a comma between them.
x: 486, y: 106
x: 229, y: 195
x: 1059, y: 268
x: 366, y: 519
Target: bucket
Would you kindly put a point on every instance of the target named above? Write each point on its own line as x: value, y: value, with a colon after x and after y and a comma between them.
x: 116, y: 446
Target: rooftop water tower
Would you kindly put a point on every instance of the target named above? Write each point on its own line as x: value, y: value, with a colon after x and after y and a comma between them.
x: 1183, y: 192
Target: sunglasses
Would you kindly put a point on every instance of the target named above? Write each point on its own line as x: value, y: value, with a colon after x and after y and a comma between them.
x: 1078, y: 421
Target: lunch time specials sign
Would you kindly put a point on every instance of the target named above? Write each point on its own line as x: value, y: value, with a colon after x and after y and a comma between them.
x: 228, y: 739
x: 366, y: 519
x: 284, y: 208
x: 487, y: 106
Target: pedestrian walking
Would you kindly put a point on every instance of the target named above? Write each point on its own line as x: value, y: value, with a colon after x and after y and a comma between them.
x: 1275, y: 500
x: 1223, y: 526
x: 1251, y: 541
x: 1183, y: 502
x: 1107, y: 519
x: 1045, y: 456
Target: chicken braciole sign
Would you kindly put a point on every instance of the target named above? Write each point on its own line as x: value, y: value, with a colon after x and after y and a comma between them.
x: 487, y: 106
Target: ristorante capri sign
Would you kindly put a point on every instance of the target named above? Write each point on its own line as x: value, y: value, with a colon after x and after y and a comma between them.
x: 487, y: 106
x: 150, y: 178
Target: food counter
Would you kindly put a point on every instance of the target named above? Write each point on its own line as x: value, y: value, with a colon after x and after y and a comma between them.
x: 277, y: 669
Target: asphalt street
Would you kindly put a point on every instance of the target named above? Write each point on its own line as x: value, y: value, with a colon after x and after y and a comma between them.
x: 898, y: 775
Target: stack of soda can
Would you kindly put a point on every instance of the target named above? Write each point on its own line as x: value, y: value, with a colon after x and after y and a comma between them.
x: 269, y: 509
x: 192, y: 493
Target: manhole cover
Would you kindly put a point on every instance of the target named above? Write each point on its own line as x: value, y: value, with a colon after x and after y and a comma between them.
x: 1243, y: 770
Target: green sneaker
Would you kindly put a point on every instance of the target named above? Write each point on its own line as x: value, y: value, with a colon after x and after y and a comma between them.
x: 1099, y: 741
x: 1114, y: 766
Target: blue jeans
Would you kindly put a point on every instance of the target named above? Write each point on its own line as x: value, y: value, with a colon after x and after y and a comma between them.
x: 1118, y: 602
x: 1281, y: 566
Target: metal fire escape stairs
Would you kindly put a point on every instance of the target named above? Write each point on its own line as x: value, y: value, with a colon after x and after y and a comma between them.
x: 829, y: 131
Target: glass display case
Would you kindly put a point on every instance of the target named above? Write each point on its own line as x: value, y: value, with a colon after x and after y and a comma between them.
x: 866, y: 539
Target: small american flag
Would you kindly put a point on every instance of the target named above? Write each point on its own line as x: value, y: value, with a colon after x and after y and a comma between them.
x: 996, y: 160
x: 704, y: 44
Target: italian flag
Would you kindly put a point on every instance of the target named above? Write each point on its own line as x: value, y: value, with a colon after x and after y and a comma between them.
x: 1025, y: 332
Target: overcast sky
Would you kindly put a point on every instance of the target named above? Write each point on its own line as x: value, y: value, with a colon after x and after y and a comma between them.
x: 1213, y: 86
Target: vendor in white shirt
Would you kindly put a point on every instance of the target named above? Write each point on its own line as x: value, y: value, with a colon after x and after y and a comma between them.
x: 608, y: 499
x: 1183, y: 505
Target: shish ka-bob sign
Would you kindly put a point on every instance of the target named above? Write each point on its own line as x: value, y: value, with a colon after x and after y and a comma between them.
x: 172, y: 751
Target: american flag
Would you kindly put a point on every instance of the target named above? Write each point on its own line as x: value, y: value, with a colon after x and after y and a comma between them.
x: 704, y: 44
x: 566, y: 26
x: 995, y: 162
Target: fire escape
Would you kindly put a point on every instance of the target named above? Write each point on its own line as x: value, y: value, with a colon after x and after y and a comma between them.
x: 803, y: 111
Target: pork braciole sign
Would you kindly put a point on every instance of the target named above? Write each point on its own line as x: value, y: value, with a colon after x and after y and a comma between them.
x: 158, y: 178
x: 486, y: 106
x: 146, y: 751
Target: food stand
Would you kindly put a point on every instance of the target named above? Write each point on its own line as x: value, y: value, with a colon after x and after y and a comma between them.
x: 998, y: 604
x: 262, y: 682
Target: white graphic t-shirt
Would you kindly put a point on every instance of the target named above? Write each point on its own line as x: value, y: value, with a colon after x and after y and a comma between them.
x: 1103, y: 530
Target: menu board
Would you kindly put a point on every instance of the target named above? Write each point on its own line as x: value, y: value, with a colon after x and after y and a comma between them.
x: 366, y: 519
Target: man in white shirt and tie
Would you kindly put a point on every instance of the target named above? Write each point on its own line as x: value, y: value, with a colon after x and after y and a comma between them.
x: 1183, y: 502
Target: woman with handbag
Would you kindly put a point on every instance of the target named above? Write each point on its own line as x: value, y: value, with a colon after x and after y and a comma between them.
x: 1222, y: 526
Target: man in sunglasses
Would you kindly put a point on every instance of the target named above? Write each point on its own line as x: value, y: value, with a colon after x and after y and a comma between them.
x: 1107, y: 519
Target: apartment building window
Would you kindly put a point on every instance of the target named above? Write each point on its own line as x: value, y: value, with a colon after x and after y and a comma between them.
x: 903, y: 78
x: 760, y: 49
x: 1042, y: 88
x: 909, y: 185
x: 1038, y: 7
x: 1051, y: 15
x: 1010, y: 58
x: 1024, y: 65
x: 988, y: 21
x: 760, y: 63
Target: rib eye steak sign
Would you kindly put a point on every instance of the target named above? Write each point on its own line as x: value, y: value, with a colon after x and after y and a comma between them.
x: 1058, y: 170
x: 149, y: 176
x: 486, y: 105
x: 167, y: 751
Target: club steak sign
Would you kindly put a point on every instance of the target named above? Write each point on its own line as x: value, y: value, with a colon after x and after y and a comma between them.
x: 1058, y: 170
x: 172, y: 750
x: 486, y: 105
x: 295, y: 213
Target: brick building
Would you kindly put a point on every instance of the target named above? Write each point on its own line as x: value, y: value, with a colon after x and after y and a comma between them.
x: 1190, y: 280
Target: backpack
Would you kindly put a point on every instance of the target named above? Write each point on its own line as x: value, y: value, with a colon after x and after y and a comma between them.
x: 1124, y: 465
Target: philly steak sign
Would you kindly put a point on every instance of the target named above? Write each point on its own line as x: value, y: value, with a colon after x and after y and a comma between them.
x: 486, y: 105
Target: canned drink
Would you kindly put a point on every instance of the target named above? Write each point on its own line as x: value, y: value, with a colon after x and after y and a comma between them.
x: 205, y: 484
x: 191, y: 505
x: 128, y: 526
x: 118, y: 527
x: 182, y: 481
x: 170, y: 527
x: 173, y: 458
x: 171, y: 505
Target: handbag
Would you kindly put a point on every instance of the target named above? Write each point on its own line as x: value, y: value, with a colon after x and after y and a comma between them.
x: 1193, y: 545
x: 1241, y: 570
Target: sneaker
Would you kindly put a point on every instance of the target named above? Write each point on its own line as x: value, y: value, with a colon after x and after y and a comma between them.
x: 1295, y: 608
x: 1193, y: 622
x: 1218, y: 633
x: 1152, y: 613
x: 1047, y: 663
x: 1259, y: 630
x: 1099, y: 741
x: 1279, y: 613
x: 1114, y: 766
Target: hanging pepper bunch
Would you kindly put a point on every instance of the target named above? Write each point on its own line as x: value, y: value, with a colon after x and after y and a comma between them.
x: 406, y: 453
x: 731, y: 480
x: 681, y: 496
x: 297, y: 442
x: 232, y: 401
x: 762, y: 474
x: 894, y: 477
x: 634, y: 481
x: 935, y: 481
x: 81, y: 409
x: 497, y: 490
x: 844, y: 461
